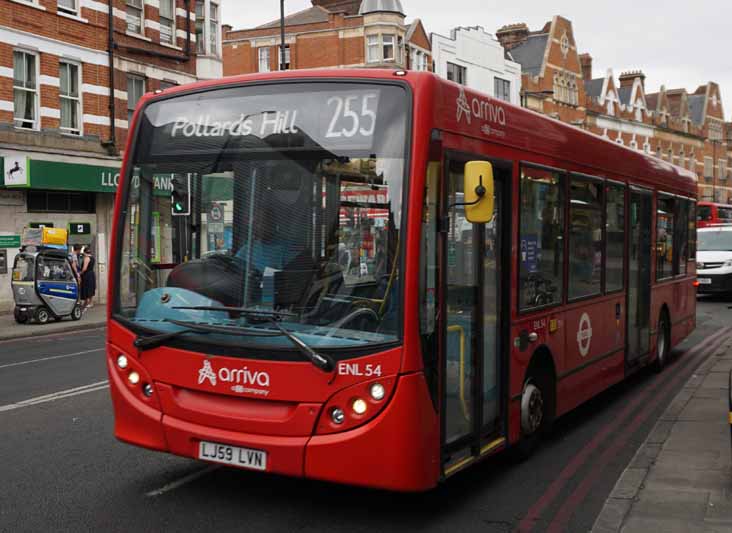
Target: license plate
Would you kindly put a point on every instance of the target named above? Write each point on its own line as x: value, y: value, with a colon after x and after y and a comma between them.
x: 232, y: 455
x: 704, y: 281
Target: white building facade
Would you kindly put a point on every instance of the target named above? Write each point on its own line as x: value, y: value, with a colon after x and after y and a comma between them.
x: 475, y: 58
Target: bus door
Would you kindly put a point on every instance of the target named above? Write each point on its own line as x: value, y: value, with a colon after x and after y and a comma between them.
x: 469, y: 325
x: 639, y: 266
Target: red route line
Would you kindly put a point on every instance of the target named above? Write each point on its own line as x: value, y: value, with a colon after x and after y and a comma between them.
x: 580, y: 492
x: 527, y: 523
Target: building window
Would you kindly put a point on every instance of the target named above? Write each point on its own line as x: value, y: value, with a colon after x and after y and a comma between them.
x: 456, y: 73
x: 502, y: 89
x: 722, y: 169
x: 200, y: 25
x: 708, y: 167
x: 60, y: 202
x: 264, y: 59
x: 388, y: 47
x: 422, y: 61
x: 213, y: 33
x: 135, y: 90
x: 68, y: 6
x: 167, y: 21
x: 287, y: 57
x: 70, y: 98
x: 372, y: 49
x: 134, y: 16
x: 25, y: 90
x: 541, y: 255
x: 585, y: 238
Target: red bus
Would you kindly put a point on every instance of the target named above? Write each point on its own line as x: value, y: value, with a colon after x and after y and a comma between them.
x: 380, y: 277
x: 710, y: 213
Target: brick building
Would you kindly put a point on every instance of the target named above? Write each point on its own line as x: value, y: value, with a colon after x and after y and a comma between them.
x: 686, y: 129
x: 332, y: 33
x: 61, y: 135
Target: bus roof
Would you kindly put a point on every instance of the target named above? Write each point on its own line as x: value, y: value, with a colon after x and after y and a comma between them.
x: 458, y: 109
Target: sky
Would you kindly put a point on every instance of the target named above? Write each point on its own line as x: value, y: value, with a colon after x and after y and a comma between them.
x: 679, y: 44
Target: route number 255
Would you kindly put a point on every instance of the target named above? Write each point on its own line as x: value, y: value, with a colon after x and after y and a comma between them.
x: 358, y: 113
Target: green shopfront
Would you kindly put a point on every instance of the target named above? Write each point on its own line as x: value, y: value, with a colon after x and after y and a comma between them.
x: 66, y: 192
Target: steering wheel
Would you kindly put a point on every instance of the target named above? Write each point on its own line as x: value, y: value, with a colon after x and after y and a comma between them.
x: 364, y: 312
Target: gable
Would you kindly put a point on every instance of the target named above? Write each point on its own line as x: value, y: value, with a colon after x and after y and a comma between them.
x: 418, y: 36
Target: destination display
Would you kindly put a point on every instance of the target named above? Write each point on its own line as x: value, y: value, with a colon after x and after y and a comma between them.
x: 290, y: 116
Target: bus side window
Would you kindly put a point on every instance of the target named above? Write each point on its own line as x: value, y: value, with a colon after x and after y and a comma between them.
x: 541, y: 241
x: 585, y: 238
x: 665, y: 211
x: 614, y: 237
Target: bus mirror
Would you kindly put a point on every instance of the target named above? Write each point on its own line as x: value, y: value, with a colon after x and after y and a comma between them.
x: 478, y: 192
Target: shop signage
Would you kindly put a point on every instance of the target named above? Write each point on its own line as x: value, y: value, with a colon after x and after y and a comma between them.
x: 16, y: 172
x: 41, y: 225
x: 55, y: 176
x: 9, y: 241
x: 80, y: 228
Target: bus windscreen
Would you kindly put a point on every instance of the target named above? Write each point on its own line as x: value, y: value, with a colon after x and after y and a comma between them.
x: 284, y: 200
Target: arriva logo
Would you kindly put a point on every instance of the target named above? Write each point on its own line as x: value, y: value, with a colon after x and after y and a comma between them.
x: 241, y: 376
x: 480, y: 109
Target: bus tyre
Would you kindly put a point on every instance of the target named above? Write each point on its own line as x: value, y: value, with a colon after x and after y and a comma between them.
x: 536, y: 415
x: 76, y: 312
x: 42, y: 315
x: 663, y: 341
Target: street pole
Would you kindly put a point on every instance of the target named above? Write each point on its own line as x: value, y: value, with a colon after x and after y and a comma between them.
x: 282, y: 34
x: 714, y: 171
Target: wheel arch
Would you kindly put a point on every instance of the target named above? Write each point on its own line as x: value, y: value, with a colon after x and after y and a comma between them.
x: 542, y: 363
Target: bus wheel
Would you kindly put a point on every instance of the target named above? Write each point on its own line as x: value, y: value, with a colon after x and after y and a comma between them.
x: 663, y: 342
x: 42, y: 315
x: 536, y: 412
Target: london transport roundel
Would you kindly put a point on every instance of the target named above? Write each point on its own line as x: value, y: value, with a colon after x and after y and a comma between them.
x: 584, y: 335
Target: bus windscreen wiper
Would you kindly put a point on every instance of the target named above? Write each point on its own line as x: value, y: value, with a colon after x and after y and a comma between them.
x: 262, y: 315
x: 323, y: 361
x: 146, y: 343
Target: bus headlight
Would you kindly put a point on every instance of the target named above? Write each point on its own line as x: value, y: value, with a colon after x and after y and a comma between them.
x: 355, y: 405
x: 359, y: 406
x: 134, y: 378
x: 122, y: 361
x: 377, y: 391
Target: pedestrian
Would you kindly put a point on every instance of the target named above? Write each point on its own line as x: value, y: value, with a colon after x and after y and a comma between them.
x: 74, y: 259
x: 88, y: 278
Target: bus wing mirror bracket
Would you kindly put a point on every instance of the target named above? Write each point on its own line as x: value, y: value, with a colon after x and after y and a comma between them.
x: 479, y: 192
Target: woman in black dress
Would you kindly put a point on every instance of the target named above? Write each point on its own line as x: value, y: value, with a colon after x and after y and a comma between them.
x: 88, y: 279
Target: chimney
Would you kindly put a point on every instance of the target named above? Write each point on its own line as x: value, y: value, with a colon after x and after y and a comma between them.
x: 512, y: 35
x: 225, y: 29
x: 586, y: 64
x: 628, y: 78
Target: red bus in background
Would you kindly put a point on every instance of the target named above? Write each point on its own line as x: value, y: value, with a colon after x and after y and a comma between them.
x: 710, y: 213
x: 415, y: 275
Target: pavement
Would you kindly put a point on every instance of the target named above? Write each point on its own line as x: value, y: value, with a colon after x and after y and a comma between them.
x: 95, y: 317
x: 681, y: 477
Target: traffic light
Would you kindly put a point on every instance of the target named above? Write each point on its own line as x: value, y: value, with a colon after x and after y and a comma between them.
x: 180, y: 197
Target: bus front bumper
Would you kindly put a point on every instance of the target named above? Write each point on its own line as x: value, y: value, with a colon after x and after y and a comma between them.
x: 398, y: 450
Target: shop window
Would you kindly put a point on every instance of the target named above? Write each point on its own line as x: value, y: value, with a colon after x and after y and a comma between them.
x: 664, y: 236
x: 585, y: 238
x: 135, y: 10
x: 25, y: 90
x: 60, y: 202
x: 167, y: 21
x: 614, y: 237
x: 541, y: 243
